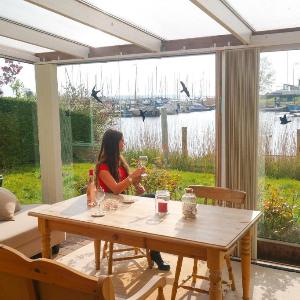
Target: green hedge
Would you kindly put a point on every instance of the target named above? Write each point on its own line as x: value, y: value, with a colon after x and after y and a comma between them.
x: 81, y: 127
x: 18, y: 132
x: 19, y: 136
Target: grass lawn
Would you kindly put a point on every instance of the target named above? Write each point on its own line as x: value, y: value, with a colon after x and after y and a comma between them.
x: 26, y: 184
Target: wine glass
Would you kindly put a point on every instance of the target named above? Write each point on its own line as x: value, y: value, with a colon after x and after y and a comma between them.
x: 100, y: 195
x: 143, y: 160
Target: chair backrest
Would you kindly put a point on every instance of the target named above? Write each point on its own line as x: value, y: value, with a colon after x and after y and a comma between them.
x: 44, y: 279
x: 220, y: 196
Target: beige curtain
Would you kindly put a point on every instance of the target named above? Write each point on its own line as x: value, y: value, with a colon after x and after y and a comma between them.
x: 218, y: 118
x: 241, y: 121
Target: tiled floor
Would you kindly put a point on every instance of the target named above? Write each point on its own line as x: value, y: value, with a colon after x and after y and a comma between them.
x: 128, y: 276
x: 72, y: 243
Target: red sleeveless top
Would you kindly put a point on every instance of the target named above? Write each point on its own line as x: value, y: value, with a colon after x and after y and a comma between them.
x: 104, y: 167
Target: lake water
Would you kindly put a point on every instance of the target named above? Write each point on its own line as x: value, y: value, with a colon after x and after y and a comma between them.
x: 201, y: 132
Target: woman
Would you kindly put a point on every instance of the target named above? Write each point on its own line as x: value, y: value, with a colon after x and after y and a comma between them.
x: 112, y: 174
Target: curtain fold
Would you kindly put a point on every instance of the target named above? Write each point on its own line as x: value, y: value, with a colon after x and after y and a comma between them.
x: 218, y: 119
x: 241, y: 121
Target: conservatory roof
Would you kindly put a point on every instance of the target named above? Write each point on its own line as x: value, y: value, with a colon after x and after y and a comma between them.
x: 77, y: 30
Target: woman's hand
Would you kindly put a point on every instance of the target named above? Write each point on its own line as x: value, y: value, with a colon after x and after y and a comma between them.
x: 139, y: 189
x: 136, y: 175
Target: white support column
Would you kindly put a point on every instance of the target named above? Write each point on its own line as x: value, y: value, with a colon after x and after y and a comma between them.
x: 49, y: 132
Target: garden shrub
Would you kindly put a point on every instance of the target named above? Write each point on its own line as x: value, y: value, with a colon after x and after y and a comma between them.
x: 159, y: 179
x: 280, y: 217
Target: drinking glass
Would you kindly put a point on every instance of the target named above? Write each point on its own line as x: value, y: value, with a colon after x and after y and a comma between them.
x: 100, y: 195
x: 143, y: 160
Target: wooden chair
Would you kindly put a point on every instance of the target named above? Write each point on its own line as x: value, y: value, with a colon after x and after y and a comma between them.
x: 45, y: 279
x: 109, y: 250
x: 213, y: 196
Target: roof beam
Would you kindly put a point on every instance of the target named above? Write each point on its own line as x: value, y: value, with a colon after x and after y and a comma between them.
x: 86, y: 14
x: 17, y: 54
x: 225, y: 17
x: 170, y: 45
x: 40, y: 38
x: 276, y: 38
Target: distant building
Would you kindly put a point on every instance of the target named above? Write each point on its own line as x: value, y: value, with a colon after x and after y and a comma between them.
x: 288, y: 92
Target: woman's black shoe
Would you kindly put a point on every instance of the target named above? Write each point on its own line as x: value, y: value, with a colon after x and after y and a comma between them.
x: 156, y: 257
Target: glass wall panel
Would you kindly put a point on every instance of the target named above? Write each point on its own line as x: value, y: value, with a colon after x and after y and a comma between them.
x: 279, y: 148
x: 125, y: 88
x: 19, y: 147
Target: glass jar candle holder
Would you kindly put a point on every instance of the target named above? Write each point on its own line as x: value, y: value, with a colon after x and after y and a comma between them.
x: 189, y: 204
x: 161, y: 202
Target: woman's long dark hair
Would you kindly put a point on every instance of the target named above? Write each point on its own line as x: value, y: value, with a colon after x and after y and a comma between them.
x: 110, y: 154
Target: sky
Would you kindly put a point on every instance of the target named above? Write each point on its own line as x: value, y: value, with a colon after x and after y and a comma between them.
x: 159, y: 76
x: 152, y: 77
x: 286, y: 65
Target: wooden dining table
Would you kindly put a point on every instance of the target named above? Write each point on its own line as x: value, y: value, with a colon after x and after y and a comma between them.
x: 211, y: 234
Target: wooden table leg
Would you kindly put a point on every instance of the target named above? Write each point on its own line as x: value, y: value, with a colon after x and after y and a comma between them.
x: 110, y: 257
x: 177, y: 273
x: 45, y: 237
x: 149, y: 260
x: 97, y: 247
x: 246, y: 264
x: 215, y: 260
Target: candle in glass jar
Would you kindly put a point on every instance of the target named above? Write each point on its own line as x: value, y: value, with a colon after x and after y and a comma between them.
x: 162, y: 206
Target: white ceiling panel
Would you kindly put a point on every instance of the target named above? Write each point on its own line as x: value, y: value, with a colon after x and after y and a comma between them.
x: 91, y: 16
x: 170, y: 19
x: 37, y: 17
x: 21, y: 45
x: 268, y: 14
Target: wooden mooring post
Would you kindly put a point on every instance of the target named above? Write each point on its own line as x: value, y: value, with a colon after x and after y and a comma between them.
x: 164, y: 132
x: 184, y: 141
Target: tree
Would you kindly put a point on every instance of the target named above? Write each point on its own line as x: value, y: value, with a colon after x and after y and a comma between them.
x: 76, y: 98
x: 9, y: 72
x: 17, y: 87
x: 266, y: 76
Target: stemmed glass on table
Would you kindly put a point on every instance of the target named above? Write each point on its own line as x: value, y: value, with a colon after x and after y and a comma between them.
x: 142, y: 162
x: 100, y: 195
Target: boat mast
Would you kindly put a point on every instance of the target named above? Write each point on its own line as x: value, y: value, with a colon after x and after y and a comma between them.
x: 135, y: 84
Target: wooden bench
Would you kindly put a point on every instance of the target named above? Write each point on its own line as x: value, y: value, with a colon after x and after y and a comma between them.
x: 45, y: 279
